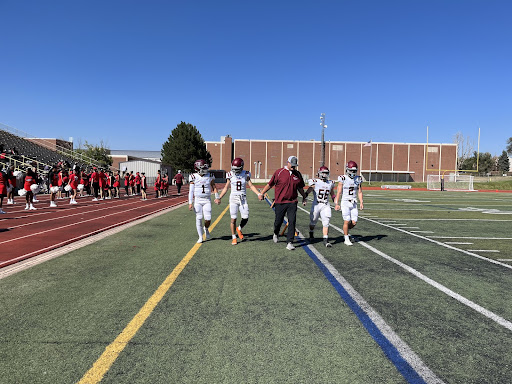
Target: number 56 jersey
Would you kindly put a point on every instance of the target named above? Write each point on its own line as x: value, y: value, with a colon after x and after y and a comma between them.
x: 322, y: 190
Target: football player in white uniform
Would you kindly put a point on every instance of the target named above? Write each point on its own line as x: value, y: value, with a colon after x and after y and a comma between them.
x: 202, y: 184
x: 238, y: 179
x: 322, y: 188
x: 349, y: 186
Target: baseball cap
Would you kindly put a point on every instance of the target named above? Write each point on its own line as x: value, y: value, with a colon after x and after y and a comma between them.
x: 293, y: 161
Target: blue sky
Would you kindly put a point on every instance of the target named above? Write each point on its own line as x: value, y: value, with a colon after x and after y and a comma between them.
x: 127, y: 72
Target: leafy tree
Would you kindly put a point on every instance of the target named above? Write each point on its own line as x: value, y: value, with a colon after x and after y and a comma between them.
x: 100, y: 153
x: 509, y: 146
x: 183, y: 147
x: 486, y: 163
x: 503, y: 162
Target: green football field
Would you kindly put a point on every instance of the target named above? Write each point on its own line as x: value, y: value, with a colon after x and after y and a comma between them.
x: 423, y: 296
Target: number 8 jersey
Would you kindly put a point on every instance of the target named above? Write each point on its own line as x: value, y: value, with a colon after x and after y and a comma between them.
x: 238, y: 183
x: 350, y: 187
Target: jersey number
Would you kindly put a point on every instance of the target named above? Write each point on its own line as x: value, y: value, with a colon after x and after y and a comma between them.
x: 238, y: 185
x: 351, y: 191
x: 203, y: 188
x: 323, y: 194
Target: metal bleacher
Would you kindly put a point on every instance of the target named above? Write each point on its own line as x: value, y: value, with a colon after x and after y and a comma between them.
x: 28, y: 152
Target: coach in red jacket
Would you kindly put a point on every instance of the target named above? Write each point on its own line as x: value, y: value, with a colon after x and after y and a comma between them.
x: 288, y: 184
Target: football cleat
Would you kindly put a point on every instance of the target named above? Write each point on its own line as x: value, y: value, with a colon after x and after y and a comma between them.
x: 348, y: 242
x: 327, y: 244
x: 275, y: 238
x: 239, y: 233
x: 200, y: 240
x: 311, y: 235
x: 207, y: 234
x: 290, y: 247
x: 233, y: 241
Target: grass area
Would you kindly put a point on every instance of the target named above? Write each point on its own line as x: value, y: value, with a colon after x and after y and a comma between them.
x: 256, y: 312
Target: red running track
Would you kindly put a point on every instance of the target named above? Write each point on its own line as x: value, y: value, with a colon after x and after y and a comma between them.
x: 27, y: 233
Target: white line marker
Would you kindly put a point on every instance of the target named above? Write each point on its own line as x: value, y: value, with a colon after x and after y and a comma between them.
x: 422, y: 231
x: 457, y: 242
x: 505, y: 259
x: 470, y: 238
x: 491, y: 315
x: 446, y: 245
x: 483, y: 250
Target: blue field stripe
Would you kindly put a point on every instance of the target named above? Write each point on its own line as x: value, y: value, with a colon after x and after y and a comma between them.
x: 389, y: 349
x: 405, y: 369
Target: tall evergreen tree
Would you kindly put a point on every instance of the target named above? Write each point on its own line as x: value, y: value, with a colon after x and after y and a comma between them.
x: 509, y: 146
x: 504, y: 162
x: 183, y: 147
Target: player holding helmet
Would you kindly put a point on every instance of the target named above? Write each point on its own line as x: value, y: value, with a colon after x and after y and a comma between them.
x: 239, y: 180
x: 349, y: 187
x: 199, y: 197
x: 322, y: 188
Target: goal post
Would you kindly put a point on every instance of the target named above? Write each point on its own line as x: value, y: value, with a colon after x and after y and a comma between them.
x: 452, y: 182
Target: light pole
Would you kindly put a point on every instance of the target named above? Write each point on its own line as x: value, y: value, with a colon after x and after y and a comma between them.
x: 322, y: 123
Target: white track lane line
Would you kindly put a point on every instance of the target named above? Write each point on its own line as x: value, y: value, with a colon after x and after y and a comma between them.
x: 77, y: 223
x: 28, y: 263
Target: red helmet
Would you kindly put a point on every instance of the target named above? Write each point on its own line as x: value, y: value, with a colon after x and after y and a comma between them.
x: 201, y: 166
x: 237, y: 165
x: 351, y: 169
x: 323, y: 173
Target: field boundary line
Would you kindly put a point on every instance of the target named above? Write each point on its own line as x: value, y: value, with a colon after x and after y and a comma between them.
x: 489, y: 314
x: 442, y: 244
x: 405, y: 360
x: 54, y: 253
x: 109, y: 356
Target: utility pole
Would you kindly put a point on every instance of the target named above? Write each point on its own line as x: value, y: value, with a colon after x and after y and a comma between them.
x: 322, y: 123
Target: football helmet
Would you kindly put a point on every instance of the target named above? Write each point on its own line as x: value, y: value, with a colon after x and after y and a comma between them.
x: 237, y: 165
x: 201, y: 166
x: 323, y: 173
x: 351, y: 169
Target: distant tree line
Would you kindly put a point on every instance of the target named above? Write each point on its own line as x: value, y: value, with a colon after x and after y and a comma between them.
x: 468, y: 158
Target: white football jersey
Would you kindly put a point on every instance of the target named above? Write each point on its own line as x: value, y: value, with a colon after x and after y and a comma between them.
x: 201, y: 184
x: 239, y: 182
x: 350, y: 187
x: 322, y: 190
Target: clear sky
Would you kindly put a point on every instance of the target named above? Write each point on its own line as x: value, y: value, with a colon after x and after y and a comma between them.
x: 127, y: 72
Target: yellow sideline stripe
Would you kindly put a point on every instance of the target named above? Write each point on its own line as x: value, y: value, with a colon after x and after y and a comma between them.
x: 109, y: 356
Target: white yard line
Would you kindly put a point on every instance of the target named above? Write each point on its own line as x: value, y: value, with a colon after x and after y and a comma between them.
x: 484, y: 250
x: 470, y: 237
x: 491, y: 315
x: 457, y: 242
x: 446, y: 245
